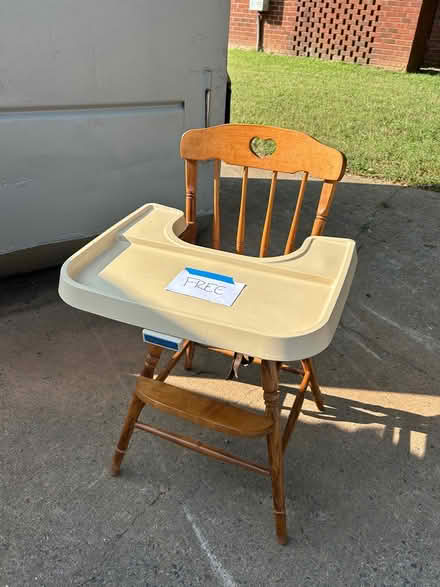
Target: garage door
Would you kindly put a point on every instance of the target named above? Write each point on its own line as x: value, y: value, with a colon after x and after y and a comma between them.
x: 94, y: 97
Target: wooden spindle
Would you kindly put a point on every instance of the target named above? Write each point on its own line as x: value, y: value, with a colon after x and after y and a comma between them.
x: 325, y: 201
x: 172, y: 362
x: 242, y: 218
x: 151, y: 360
x: 268, y: 220
x: 134, y: 411
x: 216, y: 218
x: 190, y: 201
x: 290, y: 244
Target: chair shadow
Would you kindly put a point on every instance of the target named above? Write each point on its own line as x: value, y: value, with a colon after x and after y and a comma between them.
x: 351, y: 470
x: 339, y: 409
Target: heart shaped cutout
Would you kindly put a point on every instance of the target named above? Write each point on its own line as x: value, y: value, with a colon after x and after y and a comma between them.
x: 262, y: 147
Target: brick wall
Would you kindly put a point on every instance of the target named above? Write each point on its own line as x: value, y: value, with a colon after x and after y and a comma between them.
x: 432, y: 54
x: 277, y: 30
x: 377, y: 32
x: 395, y: 34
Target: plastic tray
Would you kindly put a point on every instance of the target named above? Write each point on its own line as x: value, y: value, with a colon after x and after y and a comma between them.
x: 289, y: 309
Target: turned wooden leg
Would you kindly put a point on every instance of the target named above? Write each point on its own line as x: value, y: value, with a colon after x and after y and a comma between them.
x: 269, y: 442
x: 269, y: 376
x: 134, y: 410
x: 316, y: 391
x: 189, y: 355
x: 267, y: 413
x: 151, y: 360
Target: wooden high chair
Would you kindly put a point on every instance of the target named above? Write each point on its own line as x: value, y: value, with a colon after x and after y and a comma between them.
x: 234, y: 144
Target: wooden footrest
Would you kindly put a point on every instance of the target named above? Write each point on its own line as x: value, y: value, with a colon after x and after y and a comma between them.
x: 202, y: 410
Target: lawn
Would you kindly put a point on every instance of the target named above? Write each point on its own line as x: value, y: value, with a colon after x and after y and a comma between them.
x: 387, y: 123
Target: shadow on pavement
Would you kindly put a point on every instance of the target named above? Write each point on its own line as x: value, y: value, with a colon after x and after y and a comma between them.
x: 362, y: 478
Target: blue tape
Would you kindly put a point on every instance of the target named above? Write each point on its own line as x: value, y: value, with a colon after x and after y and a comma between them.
x: 217, y: 276
x: 169, y: 344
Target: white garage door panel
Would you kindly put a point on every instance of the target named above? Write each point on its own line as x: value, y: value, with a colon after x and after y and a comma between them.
x: 64, y: 52
x: 94, y: 97
x: 84, y: 169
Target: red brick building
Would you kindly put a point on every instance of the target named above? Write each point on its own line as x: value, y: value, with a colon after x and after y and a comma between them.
x: 400, y: 34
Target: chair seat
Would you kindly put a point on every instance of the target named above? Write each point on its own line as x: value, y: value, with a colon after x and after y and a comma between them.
x: 205, y: 411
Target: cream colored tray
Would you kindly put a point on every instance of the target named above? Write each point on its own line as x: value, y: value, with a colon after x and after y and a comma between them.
x: 289, y: 309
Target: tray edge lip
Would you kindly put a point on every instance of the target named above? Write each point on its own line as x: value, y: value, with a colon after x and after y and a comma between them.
x: 67, y: 283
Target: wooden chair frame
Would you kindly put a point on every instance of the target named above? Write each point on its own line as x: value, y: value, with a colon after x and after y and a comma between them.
x: 295, y: 152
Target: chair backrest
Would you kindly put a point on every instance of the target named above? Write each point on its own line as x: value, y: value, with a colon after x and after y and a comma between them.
x: 293, y: 152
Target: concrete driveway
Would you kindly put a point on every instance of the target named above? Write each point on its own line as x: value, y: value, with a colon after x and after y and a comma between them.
x: 363, y: 478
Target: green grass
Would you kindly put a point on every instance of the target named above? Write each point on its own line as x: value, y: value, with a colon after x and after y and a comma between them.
x: 387, y: 123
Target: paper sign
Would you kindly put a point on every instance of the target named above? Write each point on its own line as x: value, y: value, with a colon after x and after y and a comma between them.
x: 212, y: 287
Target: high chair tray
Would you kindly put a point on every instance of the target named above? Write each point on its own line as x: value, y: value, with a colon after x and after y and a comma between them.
x: 289, y: 309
